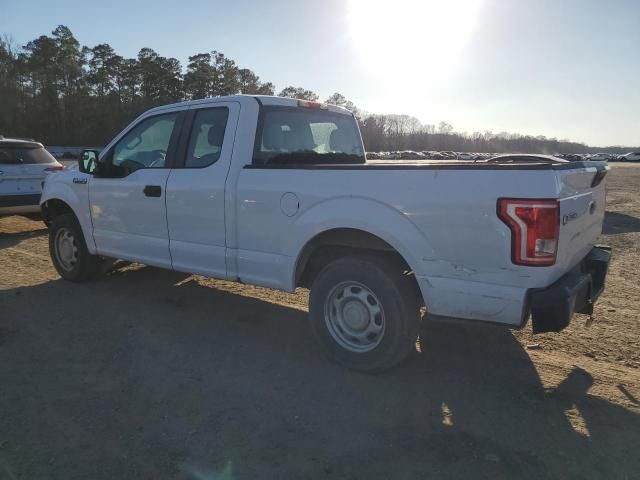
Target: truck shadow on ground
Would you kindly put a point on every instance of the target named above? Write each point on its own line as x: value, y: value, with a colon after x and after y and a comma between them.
x: 616, y: 222
x: 148, y: 374
x: 11, y: 239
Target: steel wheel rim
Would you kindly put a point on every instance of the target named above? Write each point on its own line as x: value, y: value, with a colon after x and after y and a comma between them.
x: 354, y: 317
x: 66, y: 249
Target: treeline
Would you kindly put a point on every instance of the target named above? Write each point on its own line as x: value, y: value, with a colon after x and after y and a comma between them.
x: 403, y: 132
x: 56, y: 91
x: 61, y: 93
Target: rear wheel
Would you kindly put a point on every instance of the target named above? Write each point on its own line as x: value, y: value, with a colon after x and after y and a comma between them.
x: 364, y: 313
x: 68, y: 250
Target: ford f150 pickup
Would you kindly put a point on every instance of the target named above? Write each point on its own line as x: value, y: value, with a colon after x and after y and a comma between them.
x: 278, y: 193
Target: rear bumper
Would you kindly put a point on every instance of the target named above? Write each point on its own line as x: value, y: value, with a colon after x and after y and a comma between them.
x: 10, y: 204
x: 576, y: 292
x: 25, y: 200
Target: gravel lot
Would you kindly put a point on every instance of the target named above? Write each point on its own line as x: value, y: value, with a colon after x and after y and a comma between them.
x: 153, y: 374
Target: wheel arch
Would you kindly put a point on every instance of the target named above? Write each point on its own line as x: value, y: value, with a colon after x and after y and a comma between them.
x: 338, y: 242
x: 54, y: 207
x: 356, y: 222
x: 59, y: 198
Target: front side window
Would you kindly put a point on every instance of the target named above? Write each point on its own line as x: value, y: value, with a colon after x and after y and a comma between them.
x: 207, y: 135
x: 145, y: 146
x: 302, y: 136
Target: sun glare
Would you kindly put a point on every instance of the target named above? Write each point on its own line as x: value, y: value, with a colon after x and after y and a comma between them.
x: 416, y: 36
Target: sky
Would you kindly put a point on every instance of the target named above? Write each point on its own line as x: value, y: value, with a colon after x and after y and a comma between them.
x: 561, y: 68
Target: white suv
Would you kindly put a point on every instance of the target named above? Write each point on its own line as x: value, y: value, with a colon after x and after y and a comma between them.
x: 24, y: 165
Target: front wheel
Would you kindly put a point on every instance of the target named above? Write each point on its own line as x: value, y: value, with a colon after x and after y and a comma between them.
x: 68, y: 250
x: 364, y: 313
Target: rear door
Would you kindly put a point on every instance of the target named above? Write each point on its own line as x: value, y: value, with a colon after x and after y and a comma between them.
x: 196, y: 190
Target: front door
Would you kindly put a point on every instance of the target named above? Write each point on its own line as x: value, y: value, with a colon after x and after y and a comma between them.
x: 127, y: 193
x: 196, y: 190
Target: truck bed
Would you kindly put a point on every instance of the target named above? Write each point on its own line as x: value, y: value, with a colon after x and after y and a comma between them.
x: 440, y: 215
x: 507, y: 162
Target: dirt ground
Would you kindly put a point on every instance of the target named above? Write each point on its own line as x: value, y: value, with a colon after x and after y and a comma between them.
x: 151, y: 374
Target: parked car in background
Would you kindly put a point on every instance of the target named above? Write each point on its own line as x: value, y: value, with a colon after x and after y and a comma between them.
x: 631, y: 157
x: 411, y: 155
x: 464, y: 156
x: 600, y: 157
x: 24, y: 164
x: 571, y: 157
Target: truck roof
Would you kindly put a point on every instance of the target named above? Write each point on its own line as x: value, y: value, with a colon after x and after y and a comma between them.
x: 261, y: 99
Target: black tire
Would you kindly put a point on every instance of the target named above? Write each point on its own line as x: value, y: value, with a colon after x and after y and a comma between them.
x: 396, y: 296
x: 85, y: 266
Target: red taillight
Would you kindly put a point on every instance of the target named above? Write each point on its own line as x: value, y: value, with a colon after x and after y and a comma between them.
x: 54, y: 169
x: 535, y: 226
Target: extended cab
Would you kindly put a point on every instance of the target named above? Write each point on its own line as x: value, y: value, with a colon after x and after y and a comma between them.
x: 277, y: 192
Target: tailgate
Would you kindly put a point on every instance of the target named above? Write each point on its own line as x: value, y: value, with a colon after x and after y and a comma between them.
x: 32, y: 176
x: 10, y: 176
x: 582, y: 208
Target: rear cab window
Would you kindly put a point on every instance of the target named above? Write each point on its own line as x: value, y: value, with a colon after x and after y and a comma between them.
x: 294, y: 135
x: 21, y: 154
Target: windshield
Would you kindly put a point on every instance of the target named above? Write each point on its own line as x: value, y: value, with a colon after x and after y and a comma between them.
x: 24, y: 156
x: 303, y: 136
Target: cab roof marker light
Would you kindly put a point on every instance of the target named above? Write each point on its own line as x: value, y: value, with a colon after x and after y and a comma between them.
x: 310, y: 104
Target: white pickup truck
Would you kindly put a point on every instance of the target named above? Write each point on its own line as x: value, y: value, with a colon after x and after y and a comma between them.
x: 277, y: 192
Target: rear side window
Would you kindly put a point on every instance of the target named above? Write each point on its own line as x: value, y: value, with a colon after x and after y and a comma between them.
x: 207, y: 135
x: 24, y: 156
x: 306, y: 136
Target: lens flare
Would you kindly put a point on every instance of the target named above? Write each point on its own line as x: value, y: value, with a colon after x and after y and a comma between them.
x: 415, y: 36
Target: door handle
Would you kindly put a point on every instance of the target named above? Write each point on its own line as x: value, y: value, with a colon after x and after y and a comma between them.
x: 152, y: 191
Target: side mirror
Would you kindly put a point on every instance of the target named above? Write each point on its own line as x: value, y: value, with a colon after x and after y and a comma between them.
x: 88, y: 161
